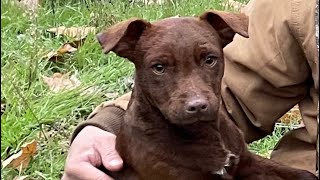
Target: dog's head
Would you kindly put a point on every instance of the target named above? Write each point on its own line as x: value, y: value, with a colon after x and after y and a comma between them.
x: 179, y: 61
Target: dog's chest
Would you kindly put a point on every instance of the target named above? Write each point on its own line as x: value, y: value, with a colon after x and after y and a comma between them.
x: 151, y: 164
x: 161, y: 158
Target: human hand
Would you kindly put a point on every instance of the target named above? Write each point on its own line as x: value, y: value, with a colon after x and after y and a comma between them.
x: 92, y: 148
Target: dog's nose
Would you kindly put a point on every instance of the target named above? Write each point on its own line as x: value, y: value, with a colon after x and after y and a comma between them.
x: 196, y: 106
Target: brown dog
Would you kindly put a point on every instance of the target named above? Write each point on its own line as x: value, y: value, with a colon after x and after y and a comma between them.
x: 174, y: 128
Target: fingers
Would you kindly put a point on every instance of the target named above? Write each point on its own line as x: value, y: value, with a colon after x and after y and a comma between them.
x: 113, y: 163
x: 92, y: 148
x: 111, y: 160
x: 84, y: 171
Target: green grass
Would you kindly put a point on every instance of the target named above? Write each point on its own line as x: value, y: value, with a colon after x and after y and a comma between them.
x: 31, y: 106
x: 264, y: 146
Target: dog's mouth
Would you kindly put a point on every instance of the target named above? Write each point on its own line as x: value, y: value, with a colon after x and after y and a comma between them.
x: 190, y: 121
x: 181, y: 119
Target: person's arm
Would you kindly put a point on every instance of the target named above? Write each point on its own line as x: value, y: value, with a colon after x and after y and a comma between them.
x: 93, y: 142
x: 106, y: 116
x: 107, y: 119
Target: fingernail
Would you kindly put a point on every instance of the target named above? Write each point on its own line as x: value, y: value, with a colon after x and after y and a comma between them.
x: 115, y: 162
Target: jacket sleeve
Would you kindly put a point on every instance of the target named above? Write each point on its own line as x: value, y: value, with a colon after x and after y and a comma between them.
x: 107, y: 116
x: 108, y: 119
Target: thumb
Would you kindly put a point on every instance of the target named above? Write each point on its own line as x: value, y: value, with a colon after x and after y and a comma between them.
x: 111, y: 159
x: 83, y: 171
x: 113, y: 162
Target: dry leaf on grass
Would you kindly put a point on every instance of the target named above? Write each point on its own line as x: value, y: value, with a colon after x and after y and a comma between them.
x: 77, y: 33
x: 58, y: 82
x: 150, y: 2
x: 57, y: 55
x: 293, y: 116
x: 20, y: 177
x: 66, y: 48
x: 23, y: 157
x: 29, y: 5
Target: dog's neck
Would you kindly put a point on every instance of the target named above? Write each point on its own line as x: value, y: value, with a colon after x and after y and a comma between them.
x: 142, y: 113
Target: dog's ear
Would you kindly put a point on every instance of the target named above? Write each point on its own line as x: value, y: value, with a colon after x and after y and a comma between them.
x: 122, y: 37
x: 227, y: 24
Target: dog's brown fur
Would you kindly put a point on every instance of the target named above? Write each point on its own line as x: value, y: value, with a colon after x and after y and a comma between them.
x: 174, y: 127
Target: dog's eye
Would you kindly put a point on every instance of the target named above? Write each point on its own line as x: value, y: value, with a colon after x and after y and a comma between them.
x: 210, y: 60
x: 158, y: 68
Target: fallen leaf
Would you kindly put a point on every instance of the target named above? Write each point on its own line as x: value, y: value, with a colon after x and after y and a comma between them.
x: 77, y: 43
x: 59, y: 82
x: 66, y: 48
x: 149, y: 2
x: 20, y: 177
x: 23, y: 157
x: 79, y: 35
x: 29, y: 5
x: 293, y: 116
x: 57, y: 54
x: 74, y: 32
